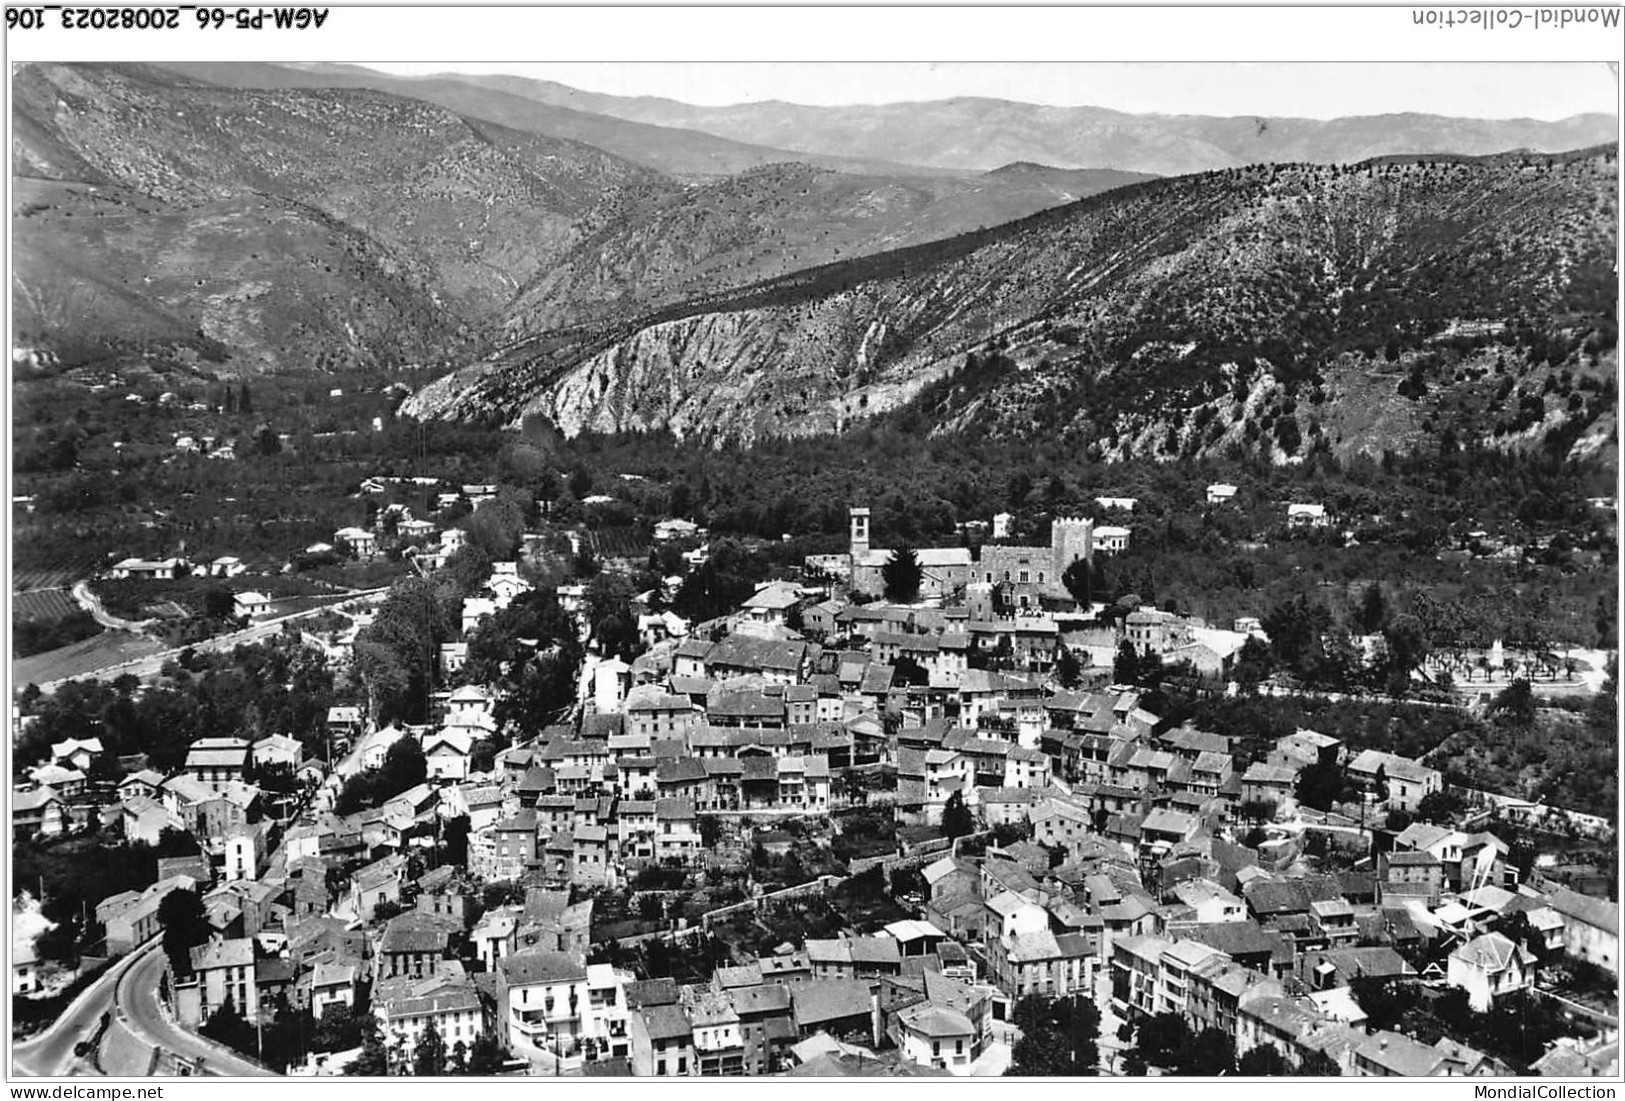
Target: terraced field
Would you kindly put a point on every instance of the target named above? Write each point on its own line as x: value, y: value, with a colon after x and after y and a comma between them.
x: 57, y: 573
x: 42, y: 605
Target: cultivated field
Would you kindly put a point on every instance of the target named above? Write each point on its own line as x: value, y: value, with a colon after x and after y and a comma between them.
x: 42, y: 605
x: 107, y: 648
x: 58, y: 572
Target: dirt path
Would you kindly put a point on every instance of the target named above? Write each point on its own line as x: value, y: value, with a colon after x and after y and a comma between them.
x: 91, y: 603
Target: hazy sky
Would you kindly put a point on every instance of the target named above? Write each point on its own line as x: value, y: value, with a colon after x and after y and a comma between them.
x: 1310, y: 90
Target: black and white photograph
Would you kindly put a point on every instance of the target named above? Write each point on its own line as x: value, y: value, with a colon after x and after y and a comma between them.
x: 818, y: 569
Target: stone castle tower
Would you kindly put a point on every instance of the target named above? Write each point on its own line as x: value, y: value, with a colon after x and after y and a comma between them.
x: 1071, y: 538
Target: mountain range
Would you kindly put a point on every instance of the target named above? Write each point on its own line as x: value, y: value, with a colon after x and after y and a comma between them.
x: 980, y: 134
x: 767, y: 269
x: 487, y: 229
x: 1167, y: 318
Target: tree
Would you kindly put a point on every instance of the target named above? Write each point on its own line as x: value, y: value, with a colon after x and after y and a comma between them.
x: 404, y: 767
x: 185, y: 925
x: 1263, y: 1061
x: 1514, y: 705
x: 497, y: 525
x: 1068, y: 671
x: 225, y: 1025
x: 1384, y: 1001
x: 341, y: 1028
x: 1079, y: 581
x: 485, y: 1057
x: 1126, y: 665
x: 1020, y: 486
x: 902, y: 576
x: 608, y: 607
x: 1372, y: 614
x: 429, y: 1057
x: 1407, y: 643
x: 454, y: 841
x: 1059, y: 1038
x: 1258, y: 810
x: 956, y: 817
x: 219, y: 603
x: 718, y: 585
x: 1211, y: 1054
x: 373, y: 1062
x: 1253, y: 663
x: 1159, y: 1039
x: 1321, y: 784
x: 1439, y: 807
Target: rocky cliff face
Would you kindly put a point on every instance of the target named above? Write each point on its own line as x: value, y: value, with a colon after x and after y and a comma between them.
x: 1270, y: 307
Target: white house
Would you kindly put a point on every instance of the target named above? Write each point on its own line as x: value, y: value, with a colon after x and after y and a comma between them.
x: 542, y: 998
x: 476, y: 608
x: 77, y: 753
x: 1306, y: 516
x: 771, y: 603
x: 142, y: 569
x: 505, y: 583
x: 1407, y: 781
x: 278, y: 749
x: 936, y: 1036
x: 610, y: 681
x: 24, y: 968
x: 1110, y: 539
x: 675, y: 529
x: 252, y: 604
x: 447, y: 754
x: 363, y: 542
x: 1219, y: 493
x: 1490, y: 967
x: 226, y: 566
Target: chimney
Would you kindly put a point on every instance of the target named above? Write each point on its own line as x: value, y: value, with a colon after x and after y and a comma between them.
x: 1382, y: 1044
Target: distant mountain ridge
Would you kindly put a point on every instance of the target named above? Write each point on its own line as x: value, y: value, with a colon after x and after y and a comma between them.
x: 668, y: 149
x: 973, y: 133
x: 1176, y: 317
x: 473, y: 232
x: 162, y: 219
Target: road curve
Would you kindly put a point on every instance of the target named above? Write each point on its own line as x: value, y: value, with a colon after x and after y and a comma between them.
x: 92, y: 603
x: 137, y: 1003
x: 50, y: 1054
x: 129, y: 990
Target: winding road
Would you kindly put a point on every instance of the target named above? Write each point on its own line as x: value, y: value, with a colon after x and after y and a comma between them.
x: 129, y: 991
x: 92, y: 603
x: 50, y: 1054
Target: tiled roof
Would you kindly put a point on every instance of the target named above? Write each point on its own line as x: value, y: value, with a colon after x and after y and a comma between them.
x: 666, y: 1022
x: 820, y: 1000
x: 541, y: 967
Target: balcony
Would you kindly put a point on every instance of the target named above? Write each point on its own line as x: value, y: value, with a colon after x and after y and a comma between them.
x: 534, y: 1019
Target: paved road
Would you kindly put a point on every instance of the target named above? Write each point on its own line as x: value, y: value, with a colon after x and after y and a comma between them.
x: 129, y: 989
x: 150, y: 665
x: 50, y: 1054
x: 137, y: 1002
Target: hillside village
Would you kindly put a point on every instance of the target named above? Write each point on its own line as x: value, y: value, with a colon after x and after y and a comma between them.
x: 881, y: 817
